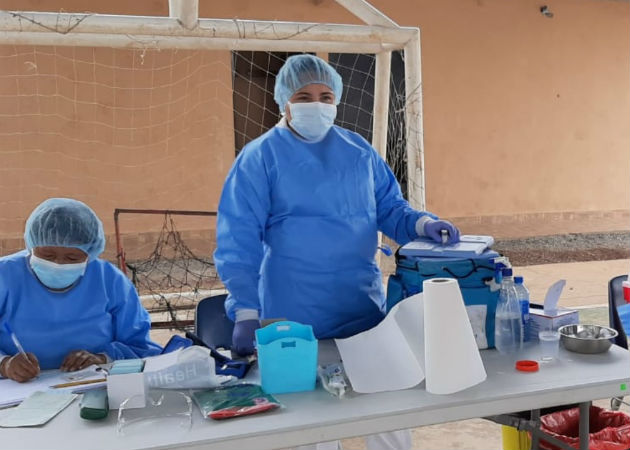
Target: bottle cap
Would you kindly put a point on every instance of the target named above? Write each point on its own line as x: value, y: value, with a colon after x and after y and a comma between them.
x: 498, y: 276
x: 518, y: 280
x: 507, y: 272
x: 526, y: 365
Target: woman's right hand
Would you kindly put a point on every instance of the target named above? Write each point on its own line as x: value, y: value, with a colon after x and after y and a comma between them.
x: 19, y: 367
x: 244, y: 336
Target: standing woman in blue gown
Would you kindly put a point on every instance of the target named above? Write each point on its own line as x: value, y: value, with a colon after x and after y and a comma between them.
x: 298, y: 222
x: 299, y: 215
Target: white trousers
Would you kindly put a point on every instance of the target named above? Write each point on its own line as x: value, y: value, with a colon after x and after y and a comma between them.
x: 392, y: 440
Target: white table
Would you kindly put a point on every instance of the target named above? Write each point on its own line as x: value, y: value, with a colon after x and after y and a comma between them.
x: 317, y: 416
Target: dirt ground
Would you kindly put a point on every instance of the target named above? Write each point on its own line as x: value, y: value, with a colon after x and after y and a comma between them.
x: 560, y: 248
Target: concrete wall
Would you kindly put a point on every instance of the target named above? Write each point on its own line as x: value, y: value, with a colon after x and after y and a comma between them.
x: 524, y: 116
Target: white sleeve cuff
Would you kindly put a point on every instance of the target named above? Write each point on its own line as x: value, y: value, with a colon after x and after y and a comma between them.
x: 420, y: 224
x: 245, y: 314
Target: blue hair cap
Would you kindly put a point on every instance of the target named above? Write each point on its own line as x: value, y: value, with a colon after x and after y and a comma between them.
x: 64, y: 222
x: 301, y: 70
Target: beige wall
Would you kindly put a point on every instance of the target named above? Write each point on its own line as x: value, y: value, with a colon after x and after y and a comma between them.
x: 113, y: 128
x: 523, y: 114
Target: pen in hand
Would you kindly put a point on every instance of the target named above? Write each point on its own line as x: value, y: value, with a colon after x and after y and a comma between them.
x: 25, y: 369
x: 14, y: 338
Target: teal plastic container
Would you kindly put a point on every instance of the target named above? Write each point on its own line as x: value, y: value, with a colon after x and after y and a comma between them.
x: 287, y: 357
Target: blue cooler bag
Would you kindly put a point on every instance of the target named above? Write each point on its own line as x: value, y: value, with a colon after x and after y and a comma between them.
x: 287, y: 357
x: 471, y: 274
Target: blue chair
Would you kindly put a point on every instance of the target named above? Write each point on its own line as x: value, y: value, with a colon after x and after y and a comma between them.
x: 615, y: 300
x: 212, y: 325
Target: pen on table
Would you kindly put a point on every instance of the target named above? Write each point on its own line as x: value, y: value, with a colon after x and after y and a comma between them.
x: 444, y: 234
x: 78, y: 383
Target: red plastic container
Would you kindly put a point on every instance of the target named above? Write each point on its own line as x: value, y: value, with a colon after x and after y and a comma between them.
x: 609, y: 430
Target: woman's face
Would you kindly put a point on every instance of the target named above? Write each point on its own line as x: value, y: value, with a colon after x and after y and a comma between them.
x: 61, y: 255
x: 311, y: 93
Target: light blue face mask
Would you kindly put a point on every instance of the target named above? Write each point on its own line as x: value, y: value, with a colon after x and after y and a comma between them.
x: 56, y: 276
x: 312, y: 120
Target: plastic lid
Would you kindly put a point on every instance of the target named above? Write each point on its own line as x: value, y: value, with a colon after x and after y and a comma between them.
x: 526, y: 365
x: 507, y: 272
x: 518, y: 280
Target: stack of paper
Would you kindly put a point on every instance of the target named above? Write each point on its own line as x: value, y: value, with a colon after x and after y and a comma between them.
x: 12, y: 392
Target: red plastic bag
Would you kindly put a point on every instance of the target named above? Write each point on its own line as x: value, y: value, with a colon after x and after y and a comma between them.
x: 609, y: 430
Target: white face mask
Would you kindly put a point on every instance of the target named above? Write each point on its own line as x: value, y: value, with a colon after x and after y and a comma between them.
x: 312, y: 120
x: 57, y: 276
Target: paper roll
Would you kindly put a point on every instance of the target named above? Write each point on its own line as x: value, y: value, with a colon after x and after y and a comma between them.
x: 452, y: 360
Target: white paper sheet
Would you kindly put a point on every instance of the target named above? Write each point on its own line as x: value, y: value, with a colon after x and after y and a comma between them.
x: 12, y: 392
x: 37, y: 409
x: 389, y: 356
x: 452, y: 359
x: 553, y: 297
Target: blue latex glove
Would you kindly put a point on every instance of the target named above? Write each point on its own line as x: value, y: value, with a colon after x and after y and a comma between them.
x: 243, y: 336
x: 433, y: 229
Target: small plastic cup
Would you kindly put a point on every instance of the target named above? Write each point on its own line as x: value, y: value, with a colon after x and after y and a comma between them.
x: 549, y: 344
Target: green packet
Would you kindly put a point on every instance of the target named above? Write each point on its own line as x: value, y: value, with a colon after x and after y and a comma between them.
x: 234, y: 401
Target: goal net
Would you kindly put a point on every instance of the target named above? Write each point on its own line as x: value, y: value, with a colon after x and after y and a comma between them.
x: 157, y: 128
x: 172, y: 268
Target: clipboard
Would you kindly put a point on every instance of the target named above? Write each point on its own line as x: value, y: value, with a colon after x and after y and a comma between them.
x: 468, y: 246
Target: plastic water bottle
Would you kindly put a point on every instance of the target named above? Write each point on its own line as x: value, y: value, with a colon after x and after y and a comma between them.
x: 523, y: 297
x: 508, y: 324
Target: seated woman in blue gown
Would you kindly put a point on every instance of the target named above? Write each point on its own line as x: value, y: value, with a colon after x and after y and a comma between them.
x: 67, y: 308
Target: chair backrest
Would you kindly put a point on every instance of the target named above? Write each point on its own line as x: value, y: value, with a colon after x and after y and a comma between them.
x: 615, y: 299
x: 212, y: 325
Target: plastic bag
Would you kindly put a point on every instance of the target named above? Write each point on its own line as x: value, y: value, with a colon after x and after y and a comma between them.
x: 234, y: 401
x: 609, y: 430
x: 190, y: 368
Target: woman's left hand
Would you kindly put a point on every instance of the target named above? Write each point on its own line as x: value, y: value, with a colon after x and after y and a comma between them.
x: 433, y: 229
x: 80, y: 359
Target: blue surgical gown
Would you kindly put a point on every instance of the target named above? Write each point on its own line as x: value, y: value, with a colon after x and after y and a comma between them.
x: 101, y: 314
x: 297, y: 230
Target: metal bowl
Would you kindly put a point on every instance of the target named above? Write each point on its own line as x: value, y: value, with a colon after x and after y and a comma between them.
x: 587, y: 338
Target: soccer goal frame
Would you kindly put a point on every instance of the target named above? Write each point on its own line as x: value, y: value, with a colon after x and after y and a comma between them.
x: 185, y: 30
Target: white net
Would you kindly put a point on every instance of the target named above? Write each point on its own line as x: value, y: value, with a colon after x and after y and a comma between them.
x: 255, y: 110
x: 111, y: 127
x: 132, y: 128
